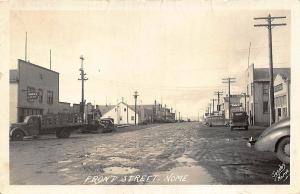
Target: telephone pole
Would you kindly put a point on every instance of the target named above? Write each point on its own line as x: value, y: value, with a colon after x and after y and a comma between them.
x: 269, y: 25
x: 229, y: 80
x: 26, y: 46
x: 213, y: 105
x: 50, y: 60
x: 135, y: 99
x: 82, y: 78
x: 218, y: 93
x: 245, y: 98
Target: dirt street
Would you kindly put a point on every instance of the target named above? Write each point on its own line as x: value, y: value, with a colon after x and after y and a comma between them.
x: 177, y: 153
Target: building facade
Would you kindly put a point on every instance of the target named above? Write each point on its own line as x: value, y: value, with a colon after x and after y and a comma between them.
x: 121, y: 113
x: 282, y: 96
x: 33, y: 90
x: 257, y: 90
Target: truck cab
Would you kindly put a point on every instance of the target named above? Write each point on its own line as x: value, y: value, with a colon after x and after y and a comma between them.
x: 31, y: 126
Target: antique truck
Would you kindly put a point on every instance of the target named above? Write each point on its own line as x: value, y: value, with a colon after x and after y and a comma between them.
x: 34, y: 125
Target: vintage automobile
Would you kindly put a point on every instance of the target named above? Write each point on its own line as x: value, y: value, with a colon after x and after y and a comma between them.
x: 239, y: 120
x: 275, y: 138
x: 104, y: 125
x: 35, y: 125
x: 214, y: 120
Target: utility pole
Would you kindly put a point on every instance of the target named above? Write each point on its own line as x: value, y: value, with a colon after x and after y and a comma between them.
x: 82, y: 78
x: 50, y: 59
x: 209, y: 109
x: 26, y: 46
x: 249, y: 53
x: 269, y: 25
x: 179, y: 116
x: 245, y: 96
x: 213, y: 105
x: 135, y: 99
x: 218, y: 93
x: 229, y: 80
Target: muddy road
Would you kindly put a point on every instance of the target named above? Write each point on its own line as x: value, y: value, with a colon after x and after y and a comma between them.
x: 177, y: 153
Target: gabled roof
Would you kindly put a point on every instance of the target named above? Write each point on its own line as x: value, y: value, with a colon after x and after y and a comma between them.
x: 262, y: 74
x: 105, y: 108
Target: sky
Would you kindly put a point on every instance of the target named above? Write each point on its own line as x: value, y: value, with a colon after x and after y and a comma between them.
x: 176, y: 56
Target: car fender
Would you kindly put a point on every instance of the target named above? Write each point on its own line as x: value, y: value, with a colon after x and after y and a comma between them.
x: 269, y: 141
x: 16, y: 129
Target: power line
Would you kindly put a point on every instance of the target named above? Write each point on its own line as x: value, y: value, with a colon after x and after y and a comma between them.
x: 270, y: 25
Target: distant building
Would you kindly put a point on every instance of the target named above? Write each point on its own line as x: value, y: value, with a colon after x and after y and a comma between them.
x: 33, y: 90
x: 64, y: 107
x: 257, y: 88
x: 235, y: 105
x: 282, y: 84
x: 121, y: 113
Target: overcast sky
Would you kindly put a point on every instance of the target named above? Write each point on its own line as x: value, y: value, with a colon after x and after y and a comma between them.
x: 175, y: 55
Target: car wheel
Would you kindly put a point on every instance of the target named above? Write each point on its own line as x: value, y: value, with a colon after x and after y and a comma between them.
x: 17, y: 135
x: 283, y: 150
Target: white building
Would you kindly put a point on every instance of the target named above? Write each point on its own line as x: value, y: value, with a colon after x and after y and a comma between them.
x: 121, y: 113
x: 282, y: 96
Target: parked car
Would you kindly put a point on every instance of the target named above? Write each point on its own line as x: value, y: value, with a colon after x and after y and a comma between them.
x: 239, y: 119
x: 99, y: 126
x: 215, y: 121
x: 275, y: 138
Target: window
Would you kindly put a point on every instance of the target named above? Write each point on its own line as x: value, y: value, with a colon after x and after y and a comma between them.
x: 279, y: 112
x: 31, y: 95
x: 124, y: 109
x: 132, y: 118
x: 265, y: 89
x: 120, y: 118
x: 50, y: 97
x: 40, y: 95
x: 265, y: 107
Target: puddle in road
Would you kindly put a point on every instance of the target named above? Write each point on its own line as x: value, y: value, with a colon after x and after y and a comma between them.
x: 118, y: 159
x: 64, y: 161
x: 185, y: 159
x: 64, y: 169
x: 120, y: 170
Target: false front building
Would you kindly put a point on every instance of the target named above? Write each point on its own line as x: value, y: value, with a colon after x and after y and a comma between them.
x: 33, y: 90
